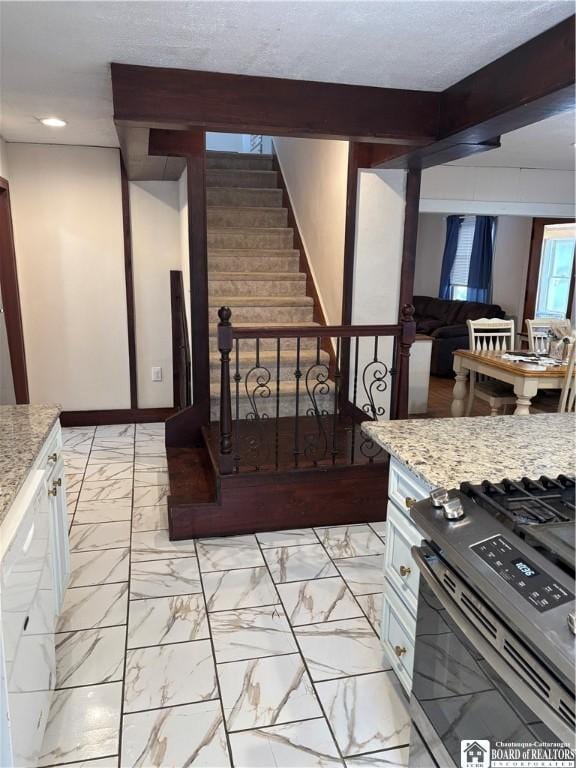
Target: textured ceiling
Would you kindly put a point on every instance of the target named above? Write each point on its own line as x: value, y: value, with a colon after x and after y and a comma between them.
x: 55, y: 55
x: 547, y: 144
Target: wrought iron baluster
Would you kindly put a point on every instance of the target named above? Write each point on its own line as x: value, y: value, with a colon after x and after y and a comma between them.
x: 297, y: 376
x: 225, y: 337
x: 277, y: 441
x: 354, y: 397
x: 335, y: 407
x: 374, y: 381
x: 317, y: 387
x: 256, y: 383
x: 237, y: 379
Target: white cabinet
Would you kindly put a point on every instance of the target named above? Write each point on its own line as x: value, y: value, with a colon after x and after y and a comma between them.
x: 401, y: 571
x: 398, y: 632
x: 401, y: 575
x: 33, y: 574
x: 56, y: 492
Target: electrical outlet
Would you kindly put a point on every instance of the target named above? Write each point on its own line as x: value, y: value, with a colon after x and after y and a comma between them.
x: 156, y: 373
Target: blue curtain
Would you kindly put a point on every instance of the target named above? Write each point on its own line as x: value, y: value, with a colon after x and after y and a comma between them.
x: 452, y: 230
x: 480, y: 275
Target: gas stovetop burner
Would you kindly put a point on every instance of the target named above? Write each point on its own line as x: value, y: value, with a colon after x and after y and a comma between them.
x: 540, y: 511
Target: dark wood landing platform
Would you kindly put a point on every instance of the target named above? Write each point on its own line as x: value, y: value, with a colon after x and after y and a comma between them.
x: 204, y: 503
x: 191, y: 475
x: 287, y: 443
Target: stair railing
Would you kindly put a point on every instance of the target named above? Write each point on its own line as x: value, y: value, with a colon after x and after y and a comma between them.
x: 312, y: 415
x: 181, y: 363
x: 256, y: 143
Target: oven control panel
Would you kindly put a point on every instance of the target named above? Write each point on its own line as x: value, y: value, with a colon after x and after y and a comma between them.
x: 534, y: 584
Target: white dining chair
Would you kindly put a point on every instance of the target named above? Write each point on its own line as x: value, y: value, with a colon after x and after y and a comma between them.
x: 490, y: 335
x: 568, y: 396
x: 538, y: 332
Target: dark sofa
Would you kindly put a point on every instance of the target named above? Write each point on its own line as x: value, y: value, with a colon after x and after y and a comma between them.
x: 445, y: 321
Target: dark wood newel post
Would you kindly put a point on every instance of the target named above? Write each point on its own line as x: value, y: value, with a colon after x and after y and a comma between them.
x: 359, y: 156
x: 225, y: 347
x: 407, y: 336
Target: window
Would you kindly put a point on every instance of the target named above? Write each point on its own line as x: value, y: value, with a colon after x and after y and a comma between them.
x: 461, y: 266
x: 556, y: 266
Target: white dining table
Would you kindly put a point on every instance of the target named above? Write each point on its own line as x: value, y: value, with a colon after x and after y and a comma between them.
x: 524, y: 377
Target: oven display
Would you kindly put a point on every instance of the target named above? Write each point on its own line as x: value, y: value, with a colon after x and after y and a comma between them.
x: 536, y: 587
x: 524, y: 568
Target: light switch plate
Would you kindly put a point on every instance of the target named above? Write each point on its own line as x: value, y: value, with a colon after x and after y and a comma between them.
x: 156, y: 373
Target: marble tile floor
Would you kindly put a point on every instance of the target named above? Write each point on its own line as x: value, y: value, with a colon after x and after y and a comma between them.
x: 254, y: 651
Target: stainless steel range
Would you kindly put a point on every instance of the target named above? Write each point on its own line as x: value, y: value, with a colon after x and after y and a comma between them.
x: 494, y: 656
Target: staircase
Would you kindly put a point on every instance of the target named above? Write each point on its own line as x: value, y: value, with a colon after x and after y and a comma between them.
x: 254, y: 269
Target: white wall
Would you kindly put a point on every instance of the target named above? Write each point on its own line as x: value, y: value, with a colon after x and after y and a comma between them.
x: 378, y: 261
x: 497, y: 191
x: 511, y: 252
x: 184, y: 250
x: 315, y: 172
x: 67, y: 214
x: 429, y: 251
x: 3, y: 159
x: 155, y: 219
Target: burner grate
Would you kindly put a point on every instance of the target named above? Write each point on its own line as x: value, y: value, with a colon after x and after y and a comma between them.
x: 527, y: 502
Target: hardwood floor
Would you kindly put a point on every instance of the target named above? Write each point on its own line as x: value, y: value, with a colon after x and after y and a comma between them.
x: 440, y: 399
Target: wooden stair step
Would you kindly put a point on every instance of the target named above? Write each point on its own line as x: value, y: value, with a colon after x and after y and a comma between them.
x: 308, y: 359
x: 266, y: 344
x: 256, y: 284
x: 258, y: 276
x: 255, y: 238
x: 246, y: 216
x: 238, y: 161
x: 266, y: 406
x: 244, y: 196
x: 249, y: 260
x: 241, y: 178
x: 261, y: 301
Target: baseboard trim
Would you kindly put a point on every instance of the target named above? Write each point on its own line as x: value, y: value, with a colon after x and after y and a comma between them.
x: 116, y: 416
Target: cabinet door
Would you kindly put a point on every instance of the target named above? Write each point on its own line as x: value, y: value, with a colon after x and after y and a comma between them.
x: 397, y: 634
x: 28, y: 622
x: 399, y: 567
x: 56, y: 490
x: 404, y: 487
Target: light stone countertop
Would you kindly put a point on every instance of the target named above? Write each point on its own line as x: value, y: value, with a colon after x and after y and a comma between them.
x: 446, y: 452
x: 23, y: 430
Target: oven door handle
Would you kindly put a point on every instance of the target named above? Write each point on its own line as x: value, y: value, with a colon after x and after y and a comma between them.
x: 489, y: 653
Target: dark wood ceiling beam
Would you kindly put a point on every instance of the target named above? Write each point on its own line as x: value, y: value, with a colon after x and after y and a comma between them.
x: 417, y: 129
x: 439, y: 153
x: 528, y: 84
x: 167, y: 143
x: 531, y: 83
x: 179, y: 99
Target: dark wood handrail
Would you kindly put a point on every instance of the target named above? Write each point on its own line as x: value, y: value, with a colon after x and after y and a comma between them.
x: 317, y: 331
x: 181, y: 363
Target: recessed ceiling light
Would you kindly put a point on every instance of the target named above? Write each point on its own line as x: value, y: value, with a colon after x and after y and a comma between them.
x: 52, y: 122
